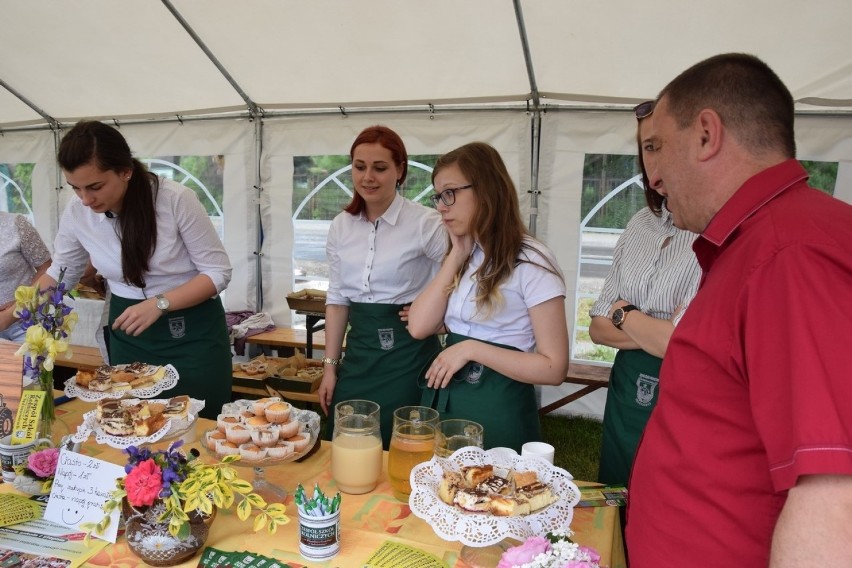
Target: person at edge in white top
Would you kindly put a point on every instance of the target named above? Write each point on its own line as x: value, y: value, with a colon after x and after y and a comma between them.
x: 501, y: 298
x: 156, y: 247
x: 382, y: 250
x: 653, y: 277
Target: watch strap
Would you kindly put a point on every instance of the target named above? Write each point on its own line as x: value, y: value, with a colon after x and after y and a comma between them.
x: 330, y: 361
x: 624, y: 310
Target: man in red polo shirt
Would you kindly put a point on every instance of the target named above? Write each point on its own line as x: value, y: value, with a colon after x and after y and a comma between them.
x: 747, y: 458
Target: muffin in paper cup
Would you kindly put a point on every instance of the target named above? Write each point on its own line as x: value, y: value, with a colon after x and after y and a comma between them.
x: 252, y: 452
x: 281, y: 449
x: 265, y: 436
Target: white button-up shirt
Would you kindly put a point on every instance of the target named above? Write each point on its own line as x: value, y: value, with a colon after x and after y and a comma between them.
x: 386, y: 262
x: 527, y: 286
x: 187, y: 245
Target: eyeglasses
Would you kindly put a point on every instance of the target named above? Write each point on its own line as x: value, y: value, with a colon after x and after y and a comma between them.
x: 644, y: 110
x: 448, y: 196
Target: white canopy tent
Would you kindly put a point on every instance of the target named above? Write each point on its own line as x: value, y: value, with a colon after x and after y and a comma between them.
x: 261, y: 81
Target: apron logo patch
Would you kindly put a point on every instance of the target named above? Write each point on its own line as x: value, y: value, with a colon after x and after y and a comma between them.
x: 177, y: 327
x: 386, y: 339
x: 474, y: 371
x: 645, y: 387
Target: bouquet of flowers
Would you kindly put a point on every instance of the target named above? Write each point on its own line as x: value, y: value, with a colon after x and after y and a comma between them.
x: 177, y: 484
x: 556, y: 550
x: 48, y: 321
x: 37, y: 475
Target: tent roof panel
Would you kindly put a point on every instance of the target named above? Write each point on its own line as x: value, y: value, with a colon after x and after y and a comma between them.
x: 337, y: 52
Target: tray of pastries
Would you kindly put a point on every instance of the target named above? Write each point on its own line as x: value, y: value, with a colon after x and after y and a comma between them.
x: 263, y: 432
x: 133, y: 421
x: 307, y: 300
x: 481, y: 497
x: 134, y: 380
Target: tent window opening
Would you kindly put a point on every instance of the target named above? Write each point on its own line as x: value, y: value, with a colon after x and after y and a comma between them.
x: 203, y: 174
x: 612, y: 194
x: 16, y: 190
x: 322, y: 187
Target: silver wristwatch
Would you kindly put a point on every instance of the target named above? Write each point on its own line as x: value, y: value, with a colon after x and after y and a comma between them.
x: 163, y: 303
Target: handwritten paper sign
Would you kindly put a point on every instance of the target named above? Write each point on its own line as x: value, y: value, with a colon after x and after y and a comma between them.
x: 80, y: 488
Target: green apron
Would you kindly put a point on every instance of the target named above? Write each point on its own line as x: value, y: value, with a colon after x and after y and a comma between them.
x: 382, y: 361
x: 506, y: 408
x: 193, y: 340
x: 630, y: 399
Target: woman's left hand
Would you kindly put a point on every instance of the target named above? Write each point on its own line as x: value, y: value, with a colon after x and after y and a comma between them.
x: 446, y: 364
x: 137, y: 318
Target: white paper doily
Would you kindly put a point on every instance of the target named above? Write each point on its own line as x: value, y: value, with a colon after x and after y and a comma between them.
x: 172, y: 427
x: 309, y: 418
x: 482, y: 529
x: 169, y: 380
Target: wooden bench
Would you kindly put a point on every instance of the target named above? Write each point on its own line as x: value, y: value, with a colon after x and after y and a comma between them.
x: 593, y: 377
x: 288, y: 337
x: 83, y: 358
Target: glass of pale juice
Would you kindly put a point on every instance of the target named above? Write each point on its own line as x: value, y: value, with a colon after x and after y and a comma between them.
x: 356, y: 446
x: 454, y: 434
x: 412, y: 442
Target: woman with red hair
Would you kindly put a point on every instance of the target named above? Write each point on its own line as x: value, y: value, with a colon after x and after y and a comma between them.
x: 382, y: 250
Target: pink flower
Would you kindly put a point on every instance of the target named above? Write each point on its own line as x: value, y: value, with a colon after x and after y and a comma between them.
x: 524, y: 554
x: 43, y: 462
x: 143, y: 483
x: 593, y: 554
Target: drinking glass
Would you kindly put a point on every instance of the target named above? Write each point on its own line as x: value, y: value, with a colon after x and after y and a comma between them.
x: 412, y: 442
x: 356, y: 446
x: 456, y: 433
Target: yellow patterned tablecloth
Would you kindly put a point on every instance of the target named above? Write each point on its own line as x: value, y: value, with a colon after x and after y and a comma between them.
x: 367, y: 521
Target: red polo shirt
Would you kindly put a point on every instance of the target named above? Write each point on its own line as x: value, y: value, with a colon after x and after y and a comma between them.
x: 755, y: 386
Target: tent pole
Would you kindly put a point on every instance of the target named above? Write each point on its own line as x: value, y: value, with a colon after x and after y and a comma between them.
x: 258, y: 255
x: 535, y: 125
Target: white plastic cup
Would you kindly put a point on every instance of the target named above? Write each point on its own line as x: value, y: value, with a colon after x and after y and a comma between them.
x: 538, y: 450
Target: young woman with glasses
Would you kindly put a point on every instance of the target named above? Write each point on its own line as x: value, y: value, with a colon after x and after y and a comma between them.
x: 499, y: 296
x: 653, y: 277
x: 382, y: 250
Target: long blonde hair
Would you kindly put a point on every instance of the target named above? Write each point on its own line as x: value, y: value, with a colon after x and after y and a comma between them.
x: 496, y: 224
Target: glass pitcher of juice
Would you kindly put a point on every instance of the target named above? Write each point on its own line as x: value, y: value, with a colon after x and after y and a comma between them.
x: 356, y: 446
x: 412, y: 442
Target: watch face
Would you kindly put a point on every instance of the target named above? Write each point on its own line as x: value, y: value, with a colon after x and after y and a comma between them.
x: 618, y: 317
x: 163, y: 303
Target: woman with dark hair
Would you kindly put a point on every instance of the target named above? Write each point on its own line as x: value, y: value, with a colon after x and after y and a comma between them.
x: 501, y: 298
x: 653, y: 277
x: 154, y: 244
x: 382, y: 250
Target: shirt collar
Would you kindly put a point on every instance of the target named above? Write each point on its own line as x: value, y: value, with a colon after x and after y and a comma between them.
x: 391, y: 215
x: 751, y: 196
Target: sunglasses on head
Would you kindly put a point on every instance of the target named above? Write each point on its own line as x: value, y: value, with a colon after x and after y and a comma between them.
x: 644, y: 110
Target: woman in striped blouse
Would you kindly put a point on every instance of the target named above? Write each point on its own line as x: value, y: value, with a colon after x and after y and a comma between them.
x: 653, y: 277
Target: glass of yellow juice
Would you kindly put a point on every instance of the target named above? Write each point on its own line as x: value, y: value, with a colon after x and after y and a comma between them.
x: 454, y: 434
x: 412, y: 442
x: 356, y: 446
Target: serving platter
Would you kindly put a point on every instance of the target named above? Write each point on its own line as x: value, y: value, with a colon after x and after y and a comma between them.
x: 310, y: 422
x: 172, y: 428
x: 169, y: 380
x: 483, y: 529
